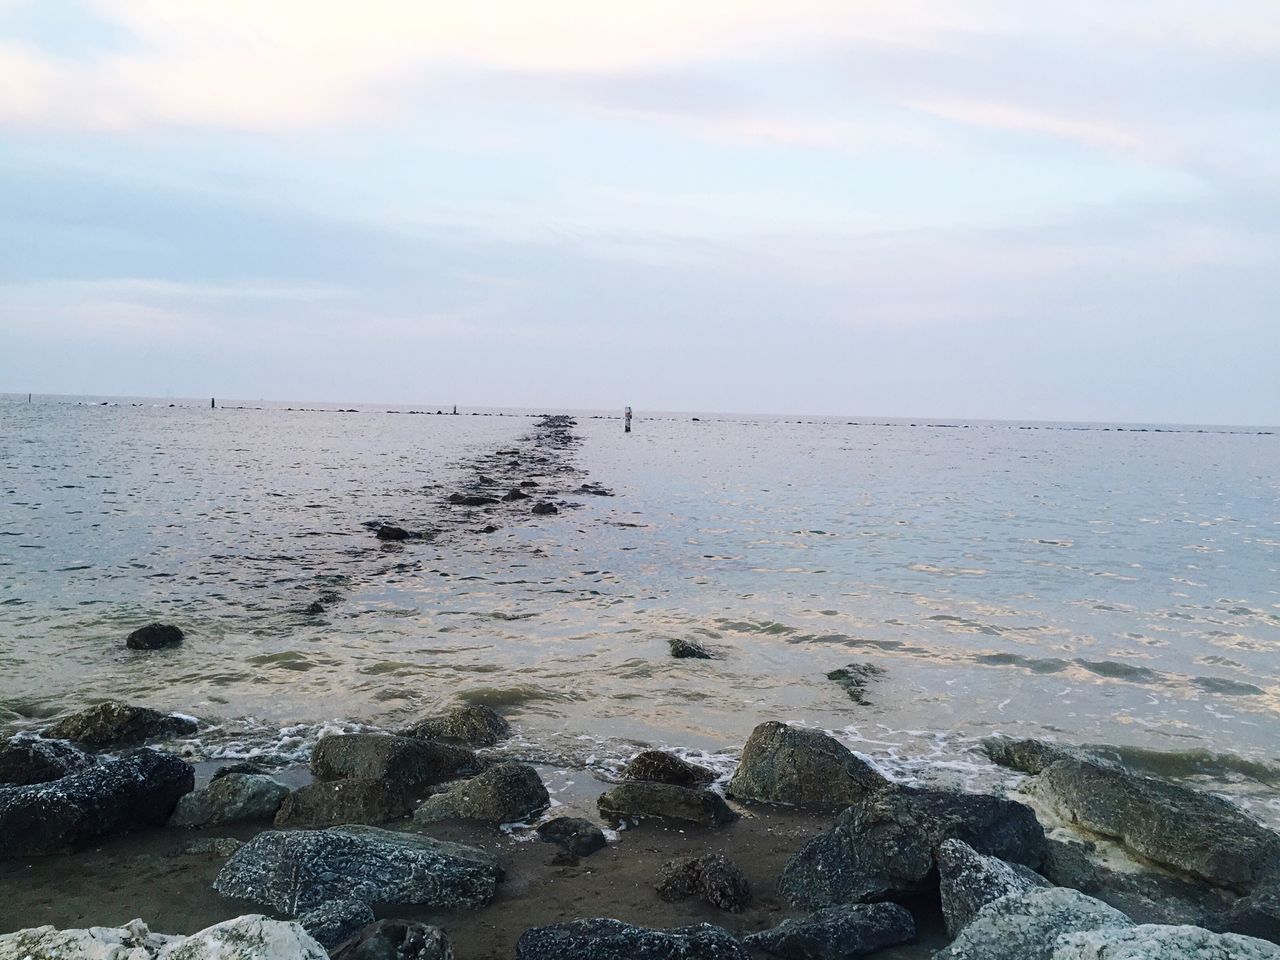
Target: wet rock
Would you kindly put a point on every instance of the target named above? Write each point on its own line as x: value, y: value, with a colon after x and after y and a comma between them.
x: 474, y: 725
x: 665, y: 801
x: 398, y: 940
x: 471, y: 500
x: 656, y: 766
x: 528, y: 483
x: 314, y: 607
x: 803, y: 768
x: 115, y: 724
x: 1029, y: 756
x: 544, y: 509
x: 138, y: 790
x: 333, y: 803
x: 506, y: 793
x: 855, y: 678
x: 299, y: 870
x: 573, y: 835
x: 337, y: 921
x: 1257, y: 915
x: 244, y: 938
x: 490, y: 528
x: 212, y: 847
x: 1068, y: 864
x: 233, y: 798
x: 968, y: 881
x: 711, y: 877
x: 154, y: 636
x: 606, y: 939
x: 1024, y: 926
x: 837, y: 933
x: 26, y: 760
x: 389, y: 532
x: 380, y: 756
x: 1158, y: 942
x: 516, y: 494
x: 689, y: 650
x: 882, y: 846
x: 243, y: 766
x: 594, y: 490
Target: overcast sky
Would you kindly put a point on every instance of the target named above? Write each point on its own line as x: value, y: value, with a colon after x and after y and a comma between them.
x: 983, y: 209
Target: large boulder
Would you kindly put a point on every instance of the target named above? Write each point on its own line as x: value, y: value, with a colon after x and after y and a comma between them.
x: 837, y: 933
x: 712, y: 877
x: 380, y: 756
x: 244, y: 938
x: 337, y: 802
x: 299, y: 870
x: 665, y: 801
x: 115, y: 724
x: 474, y: 725
x: 337, y: 921
x: 1025, y: 926
x: 25, y: 760
x: 398, y: 940
x: 154, y: 636
x: 574, y: 836
x: 1257, y: 915
x: 1158, y: 942
x: 605, y: 939
x: 968, y: 881
x: 802, y: 768
x: 882, y: 847
x: 657, y: 766
x: 506, y: 793
x: 1197, y: 833
x: 233, y: 798
x: 138, y: 790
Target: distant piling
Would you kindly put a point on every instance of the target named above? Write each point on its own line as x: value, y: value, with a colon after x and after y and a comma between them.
x: 213, y: 403
x: 626, y: 420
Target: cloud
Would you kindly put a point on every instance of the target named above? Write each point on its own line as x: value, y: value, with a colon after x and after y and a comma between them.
x: 1022, y: 119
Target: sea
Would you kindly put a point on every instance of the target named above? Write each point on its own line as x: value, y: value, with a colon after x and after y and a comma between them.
x: 1109, y: 584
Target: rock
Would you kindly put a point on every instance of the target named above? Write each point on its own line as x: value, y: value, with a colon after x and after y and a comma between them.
x: 398, y: 940
x: 655, y: 766
x: 244, y: 938
x: 299, y: 870
x: 855, y: 678
x: 688, y: 650
x: 389, y: 532
x: 471, y: 500
x: 243, y: 766
x: 529, y: 483
x: 1024, y: 926
x: 664, y: 800
x: 233, y: 798
x: 1158, y: 942
x: 575, y: 836
x: 506, y: 793
x: 1029, y: 756
x: 968, y: 881
x: 474, y: 725
x: 517, y: 494
x: 337, y: 921
x: 838, y: 933
x: 154, y: 636
x: 1193, y: 832
x: 1257, y: 915
x: 212, y: 847
x: 711, y: 877
x: 803, y: 768
x: 1145, y: 896
x: 25, y: 760
x: 1067, y: 864
x: 380, y: 756
x: 333, y: 803
x: 116, y: 724
x: 140, y: 789
x: 544, y: 509
x: 882, y: 847
x: 605, y: 939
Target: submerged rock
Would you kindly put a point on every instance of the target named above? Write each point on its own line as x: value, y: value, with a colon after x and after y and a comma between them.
x: 803, y: 768
x: 544, y: 509
x: 337, y: 921
x: 381, y: 756
x: 474, y: 725
x: 855, y: 678
x: 1029, y: 756
x: 506, y: 793
x: 656, y: 766
x: 154, y: 636
x: 1158, y: 942
x: 299, y: 870
x: 390, y: 532
x: 115, y: 724
x: 26, y: 759
x: 968, y: 881
x: 398, y: 940
x: 665, y: 801
x: 334, y: 803
x: 689, y: 650
x: 711, y: 877
x: 1025, y: 926
x: 232, y: 798
x: 573, y: 835
x: 837, y: 933
x: 606, y: 939
x: 244, y: 938
x: 516, y: 494
x: 471, y: 500
x: 138, y: 790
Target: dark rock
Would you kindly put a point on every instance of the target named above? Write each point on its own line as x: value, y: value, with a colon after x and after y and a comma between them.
x: 968, y: 881
x: 489, y: 529
x: 506, y: 793
x: 606, y: 939
x: 575, y: 836
x: 243, y: 766
x: 298, y: 870
x: 1145, y: 896
x: 544, y: 509
x: 314, y: 607
x: 1257, y: 915
x: 337, y: 921
x: 233, y: 798
x: 154, y: 636
x: 138, y: 790
x: 379, y: 756
x: 855, y: 678
x: 1024, y: 926
x: 333, y: 803
x: 515, y: 495
x: 803, y: 768
x: 838, y: 933
x: 656, y: 766
x: 474, y: 725
x: 665, y: 801
x: 882, y: 847
x: 471, y: 500
x: 711, y: 877
x: 389, y: 532
x: 594, y: 490
x: 26, y: 760
x: 528, y: 483
x: 688, y: 650
x: 116, y: 724
x: 1067, y: 864
x: 1029, y: 756
x: 398, y: 940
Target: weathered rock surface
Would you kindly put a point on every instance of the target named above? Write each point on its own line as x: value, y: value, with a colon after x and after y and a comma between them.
x: 232, y: 798
x: 657, y: 766
x: 116, y: 724
x: 838, y: 933
x: 154, y: 636
x: 139, y: 789
x: 1068, y: 864
x: 471, y: 500
x: 337, y: 802
x: 882, y: 846
x: 398, y: 940
x: 575, y: 836
x: 299, y: 870
x: 391, y: 532
x: 337, y: 921
x: 855, y: 678
x: 26, y: 760
x: 803, y: 768
x: 712, y: 877
x: 968, y: 881
x: 1258, y: 914
x: 244, y: 938
x: 1029, y: 756
x: 474, y: 725
x: 605, y: 939
x: 380, y: 756
x: 666, y: 801
x: 506, y: 793
x: 1025, y: 926
x: 212, y: 847
x: 1157, y: 942
x: 688, y: 650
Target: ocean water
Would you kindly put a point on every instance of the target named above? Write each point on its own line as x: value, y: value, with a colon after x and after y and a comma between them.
x: 1091, y: 584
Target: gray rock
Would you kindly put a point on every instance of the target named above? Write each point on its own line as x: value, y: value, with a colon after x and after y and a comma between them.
x: 474, y: 725
x: 299, y: 870
x: 688, y: 650
x: 116, y: 724
x: 665, y: 801
x: 575, y: 836
x: 234, y: 798
x: 398, y: 940
x: 968, y: 881
x: 712, y: 877
x: 802, y: 768
x: 882, y: 847
x: 26, y: 760
x: 154, y: 636
x: 379, y: 756
x: 1024, y: 926
x: 1068, y: 864
x: 337, y: 802
x: 838, y: 933
x: 1149, y: 897
x: 1029, y: 756
x: 1157, y: 942
x: 337, y: 921
x: 507, y: 793
x: 605, y: 939
x: 656, y: 766
x: 212, y: 847
x: 138, y: 790
x: 244, y: 938
x: 1257, y: 915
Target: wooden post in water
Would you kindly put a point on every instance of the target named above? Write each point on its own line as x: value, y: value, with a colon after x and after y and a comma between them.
x: 212, y: 404
x: 626, y: 420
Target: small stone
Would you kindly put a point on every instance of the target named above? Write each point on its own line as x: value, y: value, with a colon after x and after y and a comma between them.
x: 545, y: 509
x: 688, y: 650
x: 154, y: 636
x: 575, y: 836
x: 712, y: 877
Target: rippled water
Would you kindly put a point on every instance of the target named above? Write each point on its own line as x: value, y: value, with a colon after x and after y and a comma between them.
x: 1096, y: 585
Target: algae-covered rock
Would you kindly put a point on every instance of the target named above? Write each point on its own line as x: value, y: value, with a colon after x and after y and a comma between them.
x: 664, y: 801
x: 379, y: 756
x: 116, y: 724
x: 233, y: 798
x: 506, y: 793
x: 837, y: 933
x: 802, y: 768
x: 474, y: 725
x: 332, y: 803
x: 657, y: 766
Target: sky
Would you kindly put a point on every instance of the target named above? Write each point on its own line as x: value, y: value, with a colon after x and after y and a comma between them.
x: 987, y: 209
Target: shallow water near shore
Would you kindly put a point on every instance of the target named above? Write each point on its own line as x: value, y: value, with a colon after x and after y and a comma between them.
x: 1092, y: 584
